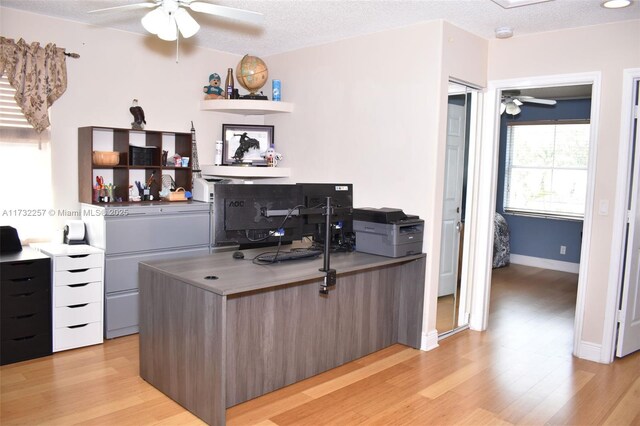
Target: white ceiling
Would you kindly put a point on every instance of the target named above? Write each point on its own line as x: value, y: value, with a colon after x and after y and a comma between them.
x: 294, y: 24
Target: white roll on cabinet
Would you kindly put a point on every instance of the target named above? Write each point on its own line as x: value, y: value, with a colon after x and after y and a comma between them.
x: 77, y: 294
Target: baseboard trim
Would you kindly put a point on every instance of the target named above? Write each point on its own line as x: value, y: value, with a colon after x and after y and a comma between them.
x: 539, y: 262
x: 591, y: 352
x: 429, y: 340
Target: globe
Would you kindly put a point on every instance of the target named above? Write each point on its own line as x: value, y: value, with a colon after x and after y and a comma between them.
x: 252, y: 73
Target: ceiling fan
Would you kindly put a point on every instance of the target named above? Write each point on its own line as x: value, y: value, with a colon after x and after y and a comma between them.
x: 170, y: 16
x: 512, y: 101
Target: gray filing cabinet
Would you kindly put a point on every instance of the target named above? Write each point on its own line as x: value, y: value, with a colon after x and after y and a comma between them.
x: 132, y: 232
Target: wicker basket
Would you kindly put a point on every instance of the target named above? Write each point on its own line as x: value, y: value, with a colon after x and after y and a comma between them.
x: 106, y: 158
x: 177, y: 195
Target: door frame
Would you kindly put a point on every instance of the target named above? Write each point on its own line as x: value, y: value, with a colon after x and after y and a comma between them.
x: 619, y: 239
x: 487, y: 181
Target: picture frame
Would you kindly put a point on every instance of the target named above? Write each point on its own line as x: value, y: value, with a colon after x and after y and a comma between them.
x: 256, y: 139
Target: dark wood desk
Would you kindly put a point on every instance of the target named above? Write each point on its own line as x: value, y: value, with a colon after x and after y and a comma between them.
x: 210, y: 344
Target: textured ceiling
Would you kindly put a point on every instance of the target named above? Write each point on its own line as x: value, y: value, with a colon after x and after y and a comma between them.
x: 294, y: 24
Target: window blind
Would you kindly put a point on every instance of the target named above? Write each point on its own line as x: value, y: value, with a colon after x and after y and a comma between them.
x: 546, y: 169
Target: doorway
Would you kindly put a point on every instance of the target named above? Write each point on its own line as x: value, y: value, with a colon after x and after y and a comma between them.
x: 486, y: 177
x: 452, y: 307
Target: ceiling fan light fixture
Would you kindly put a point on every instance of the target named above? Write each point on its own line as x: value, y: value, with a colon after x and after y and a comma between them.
x: 186, y: 24
x: 154, y: 21
x: 169, y: 31
x: 512, y: 108
x: 616, y: 4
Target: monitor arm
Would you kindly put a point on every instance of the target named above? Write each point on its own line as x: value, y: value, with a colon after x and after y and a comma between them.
x: 327, y: 211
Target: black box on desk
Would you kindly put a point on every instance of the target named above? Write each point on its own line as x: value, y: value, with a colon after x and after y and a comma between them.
x: 142, y: 155
x: 387, y: 232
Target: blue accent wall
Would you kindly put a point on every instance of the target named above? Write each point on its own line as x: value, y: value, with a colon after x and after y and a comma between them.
x: 532, y: 236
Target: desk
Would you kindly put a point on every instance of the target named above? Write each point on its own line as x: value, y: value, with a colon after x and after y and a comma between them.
x: 210, y: 344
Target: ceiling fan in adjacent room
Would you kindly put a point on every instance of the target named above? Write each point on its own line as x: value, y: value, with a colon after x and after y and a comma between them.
x: 513, y: 100
x: 170, y: 16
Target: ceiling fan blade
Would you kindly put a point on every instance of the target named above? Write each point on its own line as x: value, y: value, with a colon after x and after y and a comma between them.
x: 227, y: 12
x: 537, y: 101
x: 146, y: 5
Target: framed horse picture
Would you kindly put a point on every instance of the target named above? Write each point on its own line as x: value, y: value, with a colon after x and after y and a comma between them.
x: 244, y: 144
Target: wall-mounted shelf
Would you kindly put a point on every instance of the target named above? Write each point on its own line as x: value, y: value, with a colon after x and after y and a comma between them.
x: 245, y: 172
x: 246, y: 107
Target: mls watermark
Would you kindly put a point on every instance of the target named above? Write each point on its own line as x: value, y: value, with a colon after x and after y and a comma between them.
x: 63, y: 212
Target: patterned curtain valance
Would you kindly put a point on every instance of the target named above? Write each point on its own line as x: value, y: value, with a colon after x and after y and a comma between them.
x: 38, y: 74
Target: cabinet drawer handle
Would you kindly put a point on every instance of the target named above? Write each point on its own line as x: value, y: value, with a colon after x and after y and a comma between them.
x: 21, y: 263
x: 78, y: 326
x: 23, y: 316
x: 23, y: 294
x: 77, y: 306
x: 77, y: 256
x: 77, y: 285
x: 21, y: 280
x: 17, y: 339
x: 75, y: 271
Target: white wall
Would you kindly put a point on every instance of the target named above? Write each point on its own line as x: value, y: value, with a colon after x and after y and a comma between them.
x: 368, y: 110
x: 114, y: 67
x: 607, y: 49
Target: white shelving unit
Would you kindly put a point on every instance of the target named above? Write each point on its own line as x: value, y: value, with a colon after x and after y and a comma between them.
x: 241, y: 172
x: 246, y: 106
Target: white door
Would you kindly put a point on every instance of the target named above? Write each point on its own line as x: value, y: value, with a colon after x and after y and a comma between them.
x: 451, y: 214
x: 629, y: 330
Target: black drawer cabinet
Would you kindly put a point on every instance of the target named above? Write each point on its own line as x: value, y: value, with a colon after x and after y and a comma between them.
x: 25, y: 306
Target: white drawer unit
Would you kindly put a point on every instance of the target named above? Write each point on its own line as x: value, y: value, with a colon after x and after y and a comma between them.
x: 77, y: 294
x: 77, y: 335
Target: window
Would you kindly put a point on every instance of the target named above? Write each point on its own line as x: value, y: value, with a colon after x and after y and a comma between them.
x: 25, y: 175
x: 546, y: 169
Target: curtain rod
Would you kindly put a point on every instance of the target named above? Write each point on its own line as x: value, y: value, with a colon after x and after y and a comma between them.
x: 72, y: 55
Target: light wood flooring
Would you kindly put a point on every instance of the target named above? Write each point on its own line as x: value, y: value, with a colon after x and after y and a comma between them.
x: 518, y: 372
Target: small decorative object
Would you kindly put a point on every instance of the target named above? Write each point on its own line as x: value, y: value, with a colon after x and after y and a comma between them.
x: 178, y: 195
x: 276, y: 87
x: 165, y: 155
x: 106, y: 158
x: 252, y: 73
x: 218, y: 159
x: 138, y: 116
x: 271, y: 156
x: 244, y: 144
x: 229, y: 85
x: 213, y: 90
x: 177, y: 160
x: 195, y: 163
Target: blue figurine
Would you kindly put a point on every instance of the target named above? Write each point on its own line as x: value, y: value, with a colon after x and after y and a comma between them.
x: 213, y: 90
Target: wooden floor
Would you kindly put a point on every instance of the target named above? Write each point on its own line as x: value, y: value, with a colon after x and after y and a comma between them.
x: 518, y: 372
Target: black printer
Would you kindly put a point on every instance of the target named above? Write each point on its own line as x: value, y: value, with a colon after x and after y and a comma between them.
x: 387, y: 232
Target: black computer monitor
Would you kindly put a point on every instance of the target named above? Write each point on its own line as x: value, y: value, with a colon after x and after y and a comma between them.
x: 314, y: 195
x: 239, y: 215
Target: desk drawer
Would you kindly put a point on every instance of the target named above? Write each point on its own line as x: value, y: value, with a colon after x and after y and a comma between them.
x: 78, y: 276
x: 26, y: 324
x: 25, y: 268
x: 75, y: 294
x: 27, y: 347
x: 129, y: 234
x: 77, y: 314
x: 77, y: 336
x: 79, y: 261
x: 20, y: 286
x: 26, y: 303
